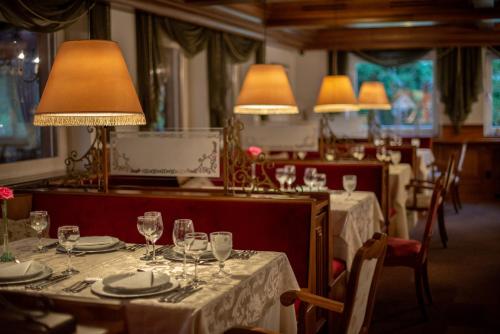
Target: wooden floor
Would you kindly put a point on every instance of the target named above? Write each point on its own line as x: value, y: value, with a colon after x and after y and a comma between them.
x: 465, y: 279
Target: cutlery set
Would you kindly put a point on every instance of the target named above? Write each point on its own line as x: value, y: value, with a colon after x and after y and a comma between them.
x: 54, y: 279
x: 80, y: 285
x: 178, y: 295
x: 133, y: 248
x: 243, y: 255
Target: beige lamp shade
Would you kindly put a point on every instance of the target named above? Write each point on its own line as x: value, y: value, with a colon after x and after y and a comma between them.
x: 372, y: 95
x: 89, y: 84
x: 266, y: 91
x: 336, y: 95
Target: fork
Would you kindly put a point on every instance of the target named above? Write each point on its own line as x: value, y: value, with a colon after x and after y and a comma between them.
x: 80, y: 285
x: 168, y: 297
x: 46, y: 283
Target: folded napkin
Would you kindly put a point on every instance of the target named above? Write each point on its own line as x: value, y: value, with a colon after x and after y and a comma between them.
x: 12, y: 270
x: 140, y: 281
x: 96, y: 241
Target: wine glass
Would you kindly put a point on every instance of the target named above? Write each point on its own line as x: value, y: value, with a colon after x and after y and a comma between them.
x: 301, y: 155
x: 146, y: 256
x: 222, y: 245
x: 310, y: 177
x: 281, y: 176
x: 39, y: 221
x: 152, y: 227
x: 68, y: 237
x: 361, y: 152
x: 320, y: 181
x: 349, y: 183
x: 290, y: 176
x: 381, y: 153
x: 196, y: 243
x: 330, y: 154
x: 181, y: 228
x: 415, y: 142
x: 153, y: 214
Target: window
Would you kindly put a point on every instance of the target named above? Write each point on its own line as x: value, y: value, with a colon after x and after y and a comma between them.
x: 494, y: 122
x: 410, y: 90
x: 23, y: 69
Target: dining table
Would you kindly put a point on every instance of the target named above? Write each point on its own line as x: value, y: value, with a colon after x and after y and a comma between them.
x: 400, y: 176
x: 355, y: 219
x: 248, y: 296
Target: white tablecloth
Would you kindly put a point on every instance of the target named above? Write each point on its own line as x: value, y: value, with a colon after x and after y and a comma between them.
x: 425, y: 157
x: 250, y: 296
x: 355, y: 220
x: 399, y: 177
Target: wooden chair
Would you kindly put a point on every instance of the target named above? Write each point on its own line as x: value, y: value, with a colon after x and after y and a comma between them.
x: 455, y: 183
x: 420, y: 200
x: 248, y: 330
x: 414, y: 254
x: 356, y: 311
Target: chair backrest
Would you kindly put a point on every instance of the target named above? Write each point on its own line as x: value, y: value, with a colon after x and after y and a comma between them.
x: 436, y: 199
x: 448, y: 176
x: 461, y: 158
x: 362, y: 285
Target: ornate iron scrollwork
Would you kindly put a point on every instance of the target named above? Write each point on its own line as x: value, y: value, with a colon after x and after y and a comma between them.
x: 241, y: 170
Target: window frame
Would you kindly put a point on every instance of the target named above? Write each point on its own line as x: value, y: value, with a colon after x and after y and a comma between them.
x: 353, y: 60
x: 488, y: 129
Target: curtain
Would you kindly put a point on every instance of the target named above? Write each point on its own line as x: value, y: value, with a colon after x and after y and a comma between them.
x: 44, y: 16
x: 337, y: 62
x: 459, y: 80
x: 389, y: 58
x: 100, y: 21
x: 222, y: 49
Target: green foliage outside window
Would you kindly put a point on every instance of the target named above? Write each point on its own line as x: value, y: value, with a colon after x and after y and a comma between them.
x: 409, y: 89
x: 495, y: 78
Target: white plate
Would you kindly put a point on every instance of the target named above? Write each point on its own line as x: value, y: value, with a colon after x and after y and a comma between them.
x: 98, y: 289
x: 44, y: 274
x: 89, y: 247
x: 35, y: 269
x: 160, y: 281
x: 113, y: 248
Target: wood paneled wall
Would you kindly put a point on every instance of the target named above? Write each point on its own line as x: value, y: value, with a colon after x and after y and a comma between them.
x: 480, y: 179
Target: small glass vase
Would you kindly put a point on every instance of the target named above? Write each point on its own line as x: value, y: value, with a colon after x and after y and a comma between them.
x: 6, y: 254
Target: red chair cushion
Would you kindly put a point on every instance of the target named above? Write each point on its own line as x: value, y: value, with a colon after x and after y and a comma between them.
x: 398, y: 248
x: 338, y: 267
x: 392, y: 212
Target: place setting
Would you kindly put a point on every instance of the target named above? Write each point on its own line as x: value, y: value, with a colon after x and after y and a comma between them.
x: 13, y: 273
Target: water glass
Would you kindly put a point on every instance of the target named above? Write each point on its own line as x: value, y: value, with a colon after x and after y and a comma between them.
x: 68, y: 237
x: 349, y: 183
x: 330, y: 154
x: 196, y: 243
x: 320, y: 181
x: 381, y: 153
x: 152, y: 227
x: 158, y: 215
x: 415, y: 142
x: 39, y: 220
x: 181, y: 228
x: 310, y: 177
x: 290, y: 176
x: 281, y: 176
x: 222, y: 245
x: 301, y: 155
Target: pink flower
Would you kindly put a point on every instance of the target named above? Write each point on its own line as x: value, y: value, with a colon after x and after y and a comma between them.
x: 6, y: 193
x: 254, y: 151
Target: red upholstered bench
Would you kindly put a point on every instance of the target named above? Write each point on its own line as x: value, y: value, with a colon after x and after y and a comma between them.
x: 290, y: 225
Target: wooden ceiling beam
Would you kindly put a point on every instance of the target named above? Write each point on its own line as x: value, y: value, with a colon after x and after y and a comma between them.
x: 400, y: 38
x: 284, y: 15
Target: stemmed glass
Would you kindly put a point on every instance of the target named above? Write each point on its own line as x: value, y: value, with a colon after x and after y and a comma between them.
x: 301, y: 155
x: 358, y: 152
x: 281, y: 176
x: 152, y: 227
x: 181, y: 228
x: 290, y: 176
x: 158, y: 215
x: 415, y: 142
x: 196, y: 243
x: 146, y: 256
x: 222, y: 245
x: 310, y: 177
x: 68, y: 237
x: 349, y: 183
x: 39, y: 221
x: 381, y: 153
x: 320, y: 180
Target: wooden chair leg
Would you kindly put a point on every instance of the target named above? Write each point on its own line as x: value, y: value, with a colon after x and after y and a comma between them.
x: 458, y: 196
x: 420, y: 293
x: 454, y: 198
x: 442, y: 227
x: 427, y: 287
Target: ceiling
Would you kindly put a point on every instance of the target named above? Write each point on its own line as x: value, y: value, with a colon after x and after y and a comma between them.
x: 352, y: 24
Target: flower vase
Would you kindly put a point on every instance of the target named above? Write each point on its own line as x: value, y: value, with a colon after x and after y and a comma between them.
x: 6, y: 254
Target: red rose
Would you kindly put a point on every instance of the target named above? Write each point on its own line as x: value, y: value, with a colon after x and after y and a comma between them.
x: 6, y: 193
x: 254, y: 151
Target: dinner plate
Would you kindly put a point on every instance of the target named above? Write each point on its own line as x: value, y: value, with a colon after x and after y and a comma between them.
x: 172, y: 255
x: 112, y: 282
x: 99, y: 289
x: 89, y: 247
x: 35, y: 268
x: 46, y: 272
x: 113, y: 248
